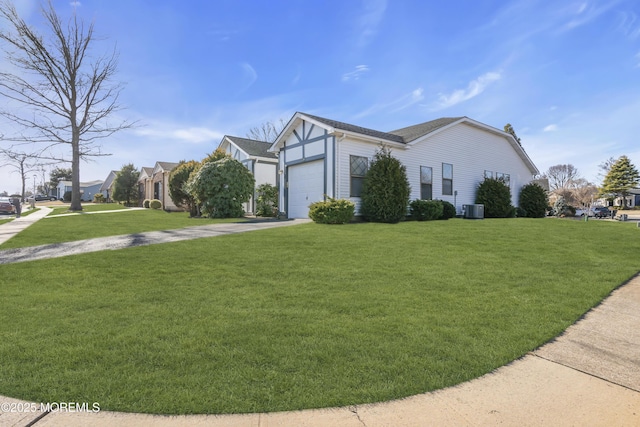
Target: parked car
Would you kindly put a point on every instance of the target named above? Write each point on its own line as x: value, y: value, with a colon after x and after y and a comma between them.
x: 601, y: 212
x: 41, y: 197
x: 6, y: 207
x: 583, y: 212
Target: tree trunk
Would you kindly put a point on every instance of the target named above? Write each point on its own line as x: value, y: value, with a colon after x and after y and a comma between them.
x: 76, y: 205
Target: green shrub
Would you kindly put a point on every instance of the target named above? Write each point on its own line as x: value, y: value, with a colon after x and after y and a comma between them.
x: 155, y: 204
x: 66, y: 196
x: 178, y: 179
x: 145, y: 203
x: 267, y: 200
x: 98, y: 198
x: 386, y: 190
x: 448, y: 210
x: 533, y: 200
x: 425, y: 210
x: 222, y: 187
x: 560, y: 207
x: 332, y: 211
x: 495, y: 195
x: 521, y: 213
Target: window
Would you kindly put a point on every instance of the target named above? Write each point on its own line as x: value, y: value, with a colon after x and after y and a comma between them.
x: 500, y: 176
x: 359, y: 166
x: 447, y: 179
x: 488, y: 174
x: 507, y: 179
x: 426, y: 181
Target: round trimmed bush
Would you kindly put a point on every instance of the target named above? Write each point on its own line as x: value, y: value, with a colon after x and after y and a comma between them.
x: 155, y: 204
x: 332, y: 211
x: 425, y: 210
x: 145, y: 203
x: 448, y: 210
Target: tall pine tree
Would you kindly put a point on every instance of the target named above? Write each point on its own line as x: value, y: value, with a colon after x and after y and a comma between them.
x: 622, y: 177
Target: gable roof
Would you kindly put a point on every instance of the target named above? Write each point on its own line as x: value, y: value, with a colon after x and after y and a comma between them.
x: 402, y: 137
x: 251, y: 146
x: 411, y: 133
x: 355, y: 129
x: 107, y: 183
x: 165, y: 166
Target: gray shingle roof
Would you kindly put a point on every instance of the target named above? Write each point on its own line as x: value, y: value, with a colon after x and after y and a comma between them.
x: 404, y: 135
x: 167, y: 166
x: 356, y: 129
x: 253, y: 147
x: 414, y: 132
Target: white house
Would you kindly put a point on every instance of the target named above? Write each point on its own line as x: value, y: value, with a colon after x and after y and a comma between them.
x: 256, y: 157
x: 445, y: 159
x: 107, y: 186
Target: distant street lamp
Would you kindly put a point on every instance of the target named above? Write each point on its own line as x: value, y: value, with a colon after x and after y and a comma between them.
x: 33, y: 202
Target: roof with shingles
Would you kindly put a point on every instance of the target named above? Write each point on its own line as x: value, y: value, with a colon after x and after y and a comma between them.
x: 253, y: 147
x: 356, y: 129
x: 167, y: 166
x: 411, y: 133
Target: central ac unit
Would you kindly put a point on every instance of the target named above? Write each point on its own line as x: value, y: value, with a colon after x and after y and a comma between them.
x: 474, y: 211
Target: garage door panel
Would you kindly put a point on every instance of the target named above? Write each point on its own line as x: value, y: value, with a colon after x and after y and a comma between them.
x: 306, y: 186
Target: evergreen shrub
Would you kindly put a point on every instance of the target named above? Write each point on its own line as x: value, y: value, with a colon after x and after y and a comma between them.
x: 426, y: 210
x: 332, y: 211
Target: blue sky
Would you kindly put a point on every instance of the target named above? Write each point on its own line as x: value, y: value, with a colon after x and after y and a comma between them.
x: 565, y: 74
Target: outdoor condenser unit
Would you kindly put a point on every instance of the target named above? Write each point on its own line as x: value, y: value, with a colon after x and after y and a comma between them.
x: 474, y: 211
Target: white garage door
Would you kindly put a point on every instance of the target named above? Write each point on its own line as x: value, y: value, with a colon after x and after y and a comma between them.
x: 306, y: 185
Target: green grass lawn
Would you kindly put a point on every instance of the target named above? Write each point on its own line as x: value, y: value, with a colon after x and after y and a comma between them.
x: 86, y: 226
x: 88, y: 208
x: 301, y: 317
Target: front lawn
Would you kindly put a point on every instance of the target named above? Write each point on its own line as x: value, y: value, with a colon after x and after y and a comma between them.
x: 86, y: 226
x: 99, y: 207
x: 301, y: 317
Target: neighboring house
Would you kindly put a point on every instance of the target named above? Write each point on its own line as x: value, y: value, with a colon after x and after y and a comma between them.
x: 630, y: 201
x: 256, y: 157
x: 87, y: 189
x: 145, y: 184
x: 445, y: 159
x: 107, y: 186
x: 153, y: 183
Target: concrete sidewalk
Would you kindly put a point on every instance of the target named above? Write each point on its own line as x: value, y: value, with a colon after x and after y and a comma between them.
x: 589, y: 376
x: 10, y: 229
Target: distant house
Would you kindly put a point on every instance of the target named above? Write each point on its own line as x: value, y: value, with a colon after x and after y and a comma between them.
x: 632, y: 200
x: 145, y: 184
x: 87, y: 189
x: 107, y: 186
x: 256, y: 157
x: 445, y: 159
x: 153, y: 183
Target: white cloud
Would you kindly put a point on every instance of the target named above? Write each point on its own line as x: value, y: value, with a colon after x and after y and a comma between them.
x: 404, y: 101
x: 550, y: 128
x: 474, y: 88
x: 193, y: 135
x: 629, y: 25
x: 250, y: 75
x: 75, y: 4
x: 369, y: 20
x: 355, y: 74
x: 586, y: 13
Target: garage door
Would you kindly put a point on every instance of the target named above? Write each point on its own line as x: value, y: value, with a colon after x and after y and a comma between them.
x: 306, y: 185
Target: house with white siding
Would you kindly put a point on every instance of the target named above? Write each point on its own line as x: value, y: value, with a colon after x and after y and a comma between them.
x: 445, y: 159
x: 255, y: 155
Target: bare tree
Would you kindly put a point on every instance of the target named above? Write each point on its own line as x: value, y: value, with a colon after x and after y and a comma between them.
x: 68, y: 92
x: 23, y: 163
x: 561, y: 176
x: 267, y: 131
